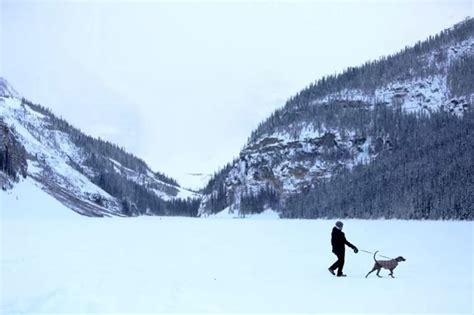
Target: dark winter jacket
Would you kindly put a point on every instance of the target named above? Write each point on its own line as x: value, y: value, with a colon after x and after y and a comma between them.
x: 338, y: 241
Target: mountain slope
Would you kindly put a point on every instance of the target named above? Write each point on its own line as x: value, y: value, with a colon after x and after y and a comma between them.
x: 90, y: 176
x: 332, y: 127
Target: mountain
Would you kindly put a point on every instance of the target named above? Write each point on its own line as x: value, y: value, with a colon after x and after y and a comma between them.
x: 90, y: 176
x: 390, y: 138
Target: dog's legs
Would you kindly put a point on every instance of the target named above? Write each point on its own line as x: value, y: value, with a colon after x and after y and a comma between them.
x: 373, y: 269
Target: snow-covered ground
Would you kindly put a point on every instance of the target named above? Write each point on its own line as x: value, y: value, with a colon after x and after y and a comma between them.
x: 228, y: 214
x: 55, y: 261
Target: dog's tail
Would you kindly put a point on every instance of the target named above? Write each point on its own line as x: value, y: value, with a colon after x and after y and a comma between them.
x: 374, y: 256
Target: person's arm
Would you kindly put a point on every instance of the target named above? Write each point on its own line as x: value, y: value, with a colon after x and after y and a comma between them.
x: 350, y: 245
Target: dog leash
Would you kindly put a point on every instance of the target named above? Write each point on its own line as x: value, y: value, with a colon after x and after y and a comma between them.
x: 365, y: 251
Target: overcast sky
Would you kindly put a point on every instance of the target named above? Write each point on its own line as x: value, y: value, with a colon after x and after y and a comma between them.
x: 182, y: 85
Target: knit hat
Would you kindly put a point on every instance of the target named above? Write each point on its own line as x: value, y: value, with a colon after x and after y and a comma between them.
x: 339, y: 225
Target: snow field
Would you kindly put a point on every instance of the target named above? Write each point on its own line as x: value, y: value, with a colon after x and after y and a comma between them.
x: 63, y: 262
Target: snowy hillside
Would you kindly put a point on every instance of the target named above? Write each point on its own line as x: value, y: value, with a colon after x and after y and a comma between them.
x: 429, y: 93
x: 28, y: 201
x: 50, y: 153
x: 6, y: 90
x: 324, y: 129
x: 72, y: 264
x: 72, y: 173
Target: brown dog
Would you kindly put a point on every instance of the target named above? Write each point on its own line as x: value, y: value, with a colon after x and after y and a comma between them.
x: 387, y: 264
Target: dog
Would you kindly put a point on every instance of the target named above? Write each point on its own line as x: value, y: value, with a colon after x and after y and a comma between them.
x: 387, y: 264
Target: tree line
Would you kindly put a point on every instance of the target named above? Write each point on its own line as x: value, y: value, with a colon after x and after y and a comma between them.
x: 12, y: 153
x: 427, y: 173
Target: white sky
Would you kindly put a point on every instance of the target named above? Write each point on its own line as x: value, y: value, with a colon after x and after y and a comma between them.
x: 182, y: 85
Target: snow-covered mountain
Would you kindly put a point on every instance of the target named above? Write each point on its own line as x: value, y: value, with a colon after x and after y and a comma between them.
x: 318, y: 132
x: 90, y: 176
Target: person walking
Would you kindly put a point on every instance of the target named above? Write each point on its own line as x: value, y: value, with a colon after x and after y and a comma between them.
x: 339, y: 242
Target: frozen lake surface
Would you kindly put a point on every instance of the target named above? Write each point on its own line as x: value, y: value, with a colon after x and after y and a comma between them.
x: 55, y: 261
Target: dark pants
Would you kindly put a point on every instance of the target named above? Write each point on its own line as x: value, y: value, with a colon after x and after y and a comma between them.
x: 339, y: 264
